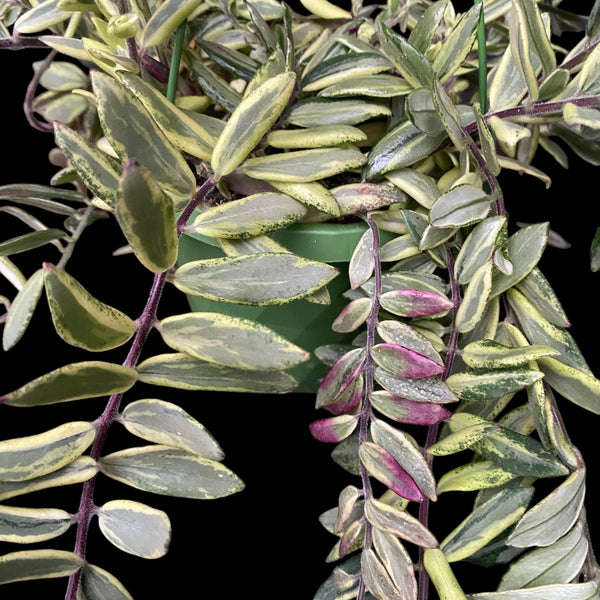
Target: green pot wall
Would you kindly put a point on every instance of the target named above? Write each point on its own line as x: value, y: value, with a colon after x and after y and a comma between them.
x: 306, y: 324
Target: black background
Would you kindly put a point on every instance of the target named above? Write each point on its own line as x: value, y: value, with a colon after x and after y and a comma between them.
x: 265, y: 541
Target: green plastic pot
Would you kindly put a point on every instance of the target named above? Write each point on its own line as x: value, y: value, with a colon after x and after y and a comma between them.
x: 304, y: 323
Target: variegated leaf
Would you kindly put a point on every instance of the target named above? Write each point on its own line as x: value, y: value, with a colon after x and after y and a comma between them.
x: 415, y: 303
x: 408, y: 411
x: 98, y: 584
x: 353, y: 315
x: 38, y: 564
x: 315, y: 137
x: 165, y: 20
x: 334, y: 429
x: 404, y: 362
x: 29, y: 525
x: 437, y: 566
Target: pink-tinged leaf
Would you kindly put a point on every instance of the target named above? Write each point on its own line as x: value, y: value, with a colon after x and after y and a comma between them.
x: 384, y: 467
x: 415, y: 303
x: 408, y: 411
x: 404, y: 362
x: 340, y: 376
x: 353, y: 315
x: 349, y: 399
x: 334, y: 429
x: 351, y: 537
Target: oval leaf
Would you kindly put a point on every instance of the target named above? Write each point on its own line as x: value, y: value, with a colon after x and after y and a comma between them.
x: 98, y: 584
x: 29, y: 525
x: 38, y: 564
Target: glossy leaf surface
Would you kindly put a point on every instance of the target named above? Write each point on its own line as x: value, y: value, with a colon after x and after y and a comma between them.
x: 29, y: 525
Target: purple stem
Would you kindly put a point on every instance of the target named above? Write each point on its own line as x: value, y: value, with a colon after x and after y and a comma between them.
x: 365, y: 411
x: 21, y: 43
x: 30, y: 95
x: 145, y: 324
x: 433, y: 430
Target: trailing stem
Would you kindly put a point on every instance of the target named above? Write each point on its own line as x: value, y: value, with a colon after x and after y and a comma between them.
x: 145, y: 324
x: 369, y: 370
x: 433, y: 430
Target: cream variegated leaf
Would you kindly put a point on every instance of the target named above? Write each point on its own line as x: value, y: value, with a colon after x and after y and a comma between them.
x: 98, y: 584
x: 29, y: 525
x: 165, y: 20
x: 38, y: 564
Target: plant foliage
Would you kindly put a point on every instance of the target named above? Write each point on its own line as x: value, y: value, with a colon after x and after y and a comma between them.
x: 234, y: 121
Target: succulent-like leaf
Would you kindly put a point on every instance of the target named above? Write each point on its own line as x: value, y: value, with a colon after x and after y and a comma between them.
x: 486, y: 522
x: 491, y: 385
x: 38, y: 564
x: 29, y: 525
x: 251, y: 216
x: 189, y: 373
x: 315, y: 137
x: 560, y: 562
x: 341, y: 375
x: 479, y: 475
x: 553, y: 516
x: 79, y: 318
x: 353, y: 315
x: 31, y: 240
x: 385, y: 468
x: 567, y: 591
x: 376, y: 577
x: 462, y: 205
x: 73, y: 382
x: 334, y: 429
x: 135, y: 528
x: 476, y: 295
x: 537, y: 290
x: 250, y: 121
x: 419, y: 186
x: 316, y: 112
x: 80, y: 470
x: 402, y: 334
x: 399, y: 523
x: 35, y: 455
x: 98, y: 584
x: 415, y: 303
x: 404, y: 362
x: 21, y: 310
x: 165, y: 20
x: 462, y: 439
x: 147, y: 218
x: 257, y: 279
x: 299, y: 166
x: 397, y: 563
x: 406, y: 452
x: 168, y: 424
x: 42, y: 16
x: 133, y: 133
x: 325, y: 9
x: 230, y: 341
x: 430, y: 389
x: 488, y: 354
x: 171, y: 472
x: 310, y: 193
x: 182, y: 130
x: 94, y: 168
x: 407, y: 411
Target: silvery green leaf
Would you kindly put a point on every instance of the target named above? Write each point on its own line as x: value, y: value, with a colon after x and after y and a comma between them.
x: 373, y: 86
x: 73, y: 382
x: 254, y: 279
x: 478, y: 475
x: 216, y: 87
x: 537, y: 290
x: 165, y: 20
x: 397, y: 563
x: 72, y: 47
x: 135, y: 528
x: 536, y: 32
x: 79, y: 318
x: 476, y: 295
x: 98, y: 584
x: 553, y: 516
x: 402, y: 334
x: 541, y: 331
x: 376, y: 578
x: 431, y: 389
x: 457, y: 44
x: 340, y: 377
x: 250, y: 121
x: 335, y: 587
x: 398, y: 523
x: 42, y: 16
x: 525, y: 59
x: 315, y: 137
x: 304, y: 165
x: 133, y: 133
x: 95, y: 169
x: 419, y: 186
x: 560, y: 562
x: 422, y: 112
x: 508, y: 133
x: 462, y: 205
x: 340, y: 68
x: 311, y: 193
x: 182, y: 130
x: 315, y: 112
x: 554, y: 83
x: 507, y: 86
x: 230, y: 341
x: 325, y: 9
x: 567, y: 591
x: 362, y: 261
x: 477, y: 248
x: 171, y: 472
x: 21, y: 310
x: 409, y: 62
x: 147, y: 218
x: 30, y: 525
x: 12, y: 273
x: 168, y: 424
x: 399, y: 248
x: 353, y: 315
x: 492, y: 384
x: 64, y: 107
x: 402, y: 146
x: 423, y: 32
x: 189, y: 373
x: 406, y: 453
x: 36, y: 455
x: 234, y: 61
x: 595, y: 252
x: 581, y: 115
x: 248, y: 217
x: 38, y: 564
x: 492, y: 355
x: 28, y: 241
x: 577, y: 386
x: 486, y: 522
x: 525, y: 248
